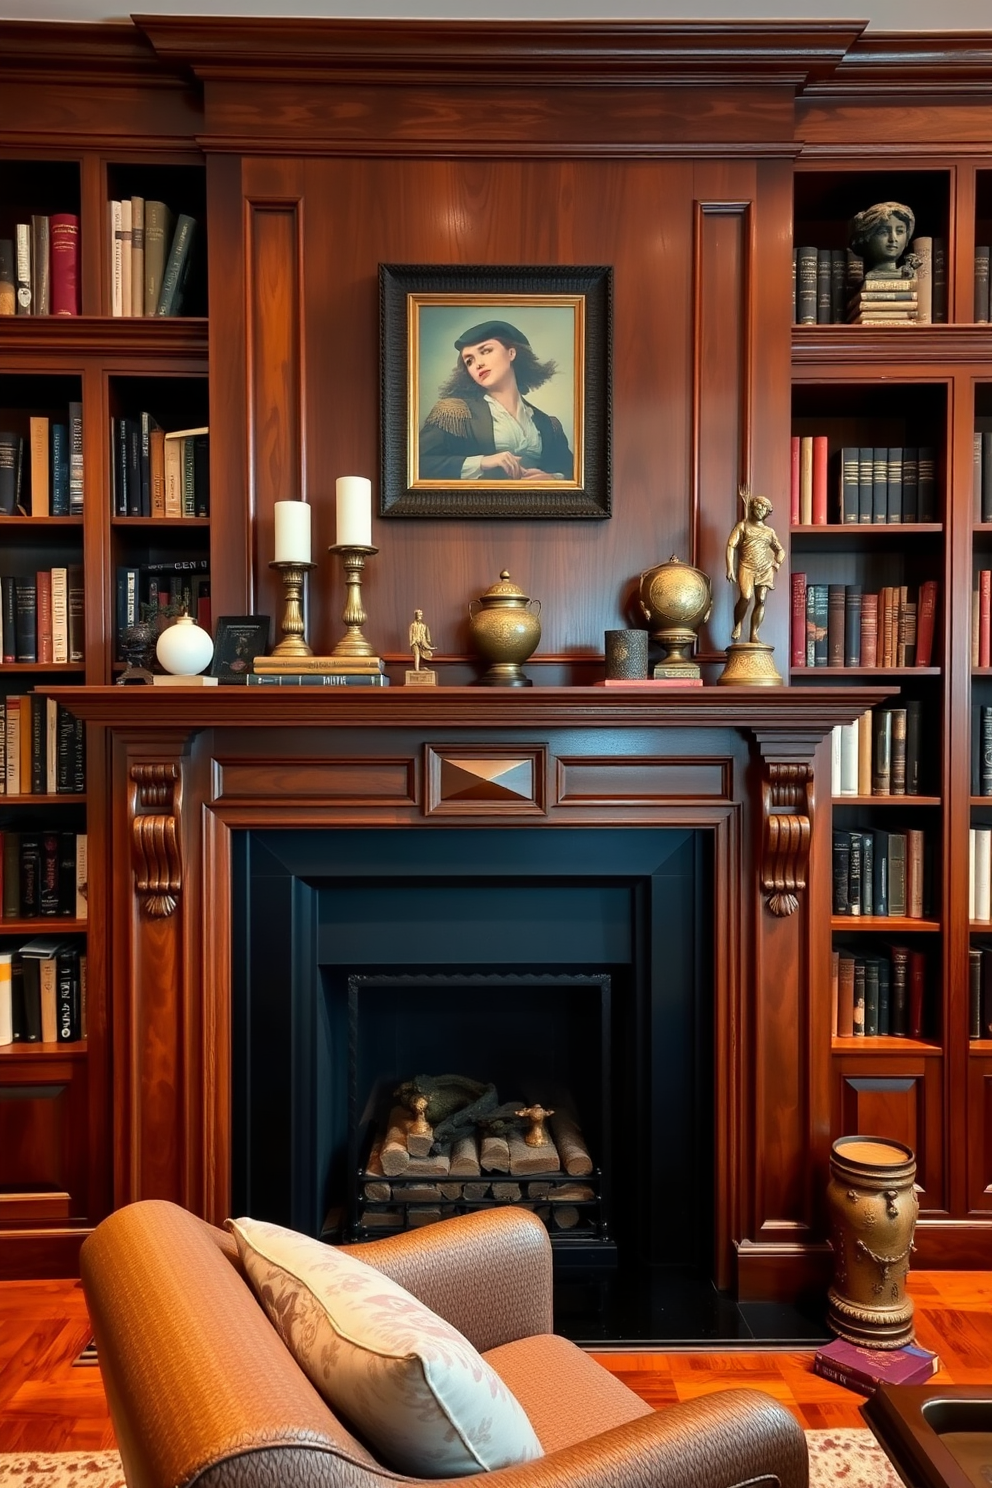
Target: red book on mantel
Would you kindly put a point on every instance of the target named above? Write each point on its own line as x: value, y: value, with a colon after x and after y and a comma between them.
x: 864, y: 1369
x: 651, y: 682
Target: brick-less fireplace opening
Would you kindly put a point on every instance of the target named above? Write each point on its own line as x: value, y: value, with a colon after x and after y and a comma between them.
x: 568, y: 965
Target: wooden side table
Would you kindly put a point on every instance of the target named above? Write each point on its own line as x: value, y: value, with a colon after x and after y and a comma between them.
x: 936, y: 1436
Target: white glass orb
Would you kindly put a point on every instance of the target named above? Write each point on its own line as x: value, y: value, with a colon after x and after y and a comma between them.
x: 184, y: 648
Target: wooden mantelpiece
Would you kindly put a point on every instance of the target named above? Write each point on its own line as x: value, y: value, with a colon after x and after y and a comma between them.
x: 191, y: 767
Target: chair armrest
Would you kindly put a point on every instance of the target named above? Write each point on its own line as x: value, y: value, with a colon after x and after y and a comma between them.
x: 488, y: 1273
x: 725, y: 1440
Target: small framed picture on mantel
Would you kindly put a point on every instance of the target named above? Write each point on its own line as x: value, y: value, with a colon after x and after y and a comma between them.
x: 238, y: 639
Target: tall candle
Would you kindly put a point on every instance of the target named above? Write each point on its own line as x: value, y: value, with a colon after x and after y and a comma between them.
x: 292, y: 532
x: 354, y: 503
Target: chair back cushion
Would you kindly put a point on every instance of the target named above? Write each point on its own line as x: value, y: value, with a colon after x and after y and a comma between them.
x: 427, y: 1403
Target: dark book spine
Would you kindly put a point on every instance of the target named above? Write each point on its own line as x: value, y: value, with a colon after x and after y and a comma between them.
x: 897, y: 874
x: 899, y: 992
x: 852, y: 625
x: 30, y: 875
x: 866, y: 483
x: 986, y: 498
x: 65, y: 734
x: 879, y: 485
x: 880, y: 879
x: 855, y: 863
x: 910, y: 483
x: 985, y: 751
x: 11, y: 469
x: 67, y: 995
x: 821, y: 604
x: 824, y: 283
x: 884, y: 994
x: 914, y: 722
x: 49, y: 885
x: 67, y: 874
x: 927, y: 483
x: 59, y: 453
x: 838, y: 282
x: 894, y: 483
x: 835, y: 625
x: 867, y: 872
x: 981, y: 314
x: 26, y: 619
x: 881, y: 769
x: 939, y: 281
x: 897, y: 759
x: 75, y: 459
x: 974, y: 993
x: 31, y: 974
x: 201, y: 474
x: 917, y: 993
x: 177, y: 267
x: 8, y: 289
x: 871, y: 996
x: 849, y: 485
x: 78, y: 756
x: 841, y: 867
x: 806, y: 274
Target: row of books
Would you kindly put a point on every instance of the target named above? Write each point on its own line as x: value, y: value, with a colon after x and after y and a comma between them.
x: 980, y: 991
x: 839, y: 625
x: 879, y: 753
x: 42, y: 747
x: 151, y: 251
x: 154, y: 591
x: 981, y: 750
x: 43, y: 875
x: 39, y: 267
x: 881, y: 873
x: 983, y: 475
x: 826, y: 280
x: 157, y: 473
x: 43, y: 992
x: 43, y: 475
x: 880, y: 995
x: 42, y: 616
x: 871, y: 484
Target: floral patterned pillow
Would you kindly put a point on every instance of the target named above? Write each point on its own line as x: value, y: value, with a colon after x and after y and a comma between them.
x: 426, y: 1402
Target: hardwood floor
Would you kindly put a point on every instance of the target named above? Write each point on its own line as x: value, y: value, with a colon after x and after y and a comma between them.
x: 49, y: 1404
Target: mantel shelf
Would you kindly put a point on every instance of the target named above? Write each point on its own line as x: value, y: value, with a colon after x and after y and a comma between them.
x: 778, y: 710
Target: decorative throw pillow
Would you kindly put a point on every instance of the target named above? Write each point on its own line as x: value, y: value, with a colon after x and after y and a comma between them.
x: 427, y: 1403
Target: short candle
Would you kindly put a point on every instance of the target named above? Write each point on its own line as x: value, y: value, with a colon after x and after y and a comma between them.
x: 292, y: 532
x: 354, y: 511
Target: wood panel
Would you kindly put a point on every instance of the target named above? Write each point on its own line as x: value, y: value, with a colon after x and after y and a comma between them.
x: 43, y: 1124
x: 979, y: 1145
x: 902, y: 1100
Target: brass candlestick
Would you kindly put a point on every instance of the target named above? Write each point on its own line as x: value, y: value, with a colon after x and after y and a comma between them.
x: 353, y: 642
x: 293, y: 575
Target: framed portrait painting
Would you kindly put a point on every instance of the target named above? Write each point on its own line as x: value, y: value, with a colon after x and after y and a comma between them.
x: 496, y: 391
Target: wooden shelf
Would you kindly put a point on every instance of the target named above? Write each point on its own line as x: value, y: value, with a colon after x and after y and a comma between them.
x: 859, y: 924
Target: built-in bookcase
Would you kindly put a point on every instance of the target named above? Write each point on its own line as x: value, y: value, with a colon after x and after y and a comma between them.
x: 89, y: 373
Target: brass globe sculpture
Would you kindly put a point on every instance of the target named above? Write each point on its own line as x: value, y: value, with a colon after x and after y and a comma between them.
x: 676, y: 600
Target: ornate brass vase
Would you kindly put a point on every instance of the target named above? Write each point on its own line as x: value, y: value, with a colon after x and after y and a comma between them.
x: 872, y: 1205
x: 505, y: 632
x: 676, y: 600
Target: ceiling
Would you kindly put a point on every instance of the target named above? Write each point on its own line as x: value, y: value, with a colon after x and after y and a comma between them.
x: 882, y: 15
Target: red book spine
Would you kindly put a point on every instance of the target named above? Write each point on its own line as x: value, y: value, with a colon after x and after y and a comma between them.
x: 819, y: 480
x: 794, y: 485
x: 917, y: 987
x: 797, y: 629
x: 925, y: 622
x: 64, y: 250
x: 984, y: 616
x: 869, y: 630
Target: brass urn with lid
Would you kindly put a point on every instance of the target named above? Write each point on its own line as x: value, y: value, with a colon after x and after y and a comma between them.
x: 505, y: 630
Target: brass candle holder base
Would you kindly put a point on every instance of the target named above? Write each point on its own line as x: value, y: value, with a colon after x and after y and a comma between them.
x: 353, y: 644
x: 293, y: 576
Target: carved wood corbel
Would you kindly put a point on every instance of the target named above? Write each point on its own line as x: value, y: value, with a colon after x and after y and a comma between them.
x: 787, y: 807
x: 154, y: 808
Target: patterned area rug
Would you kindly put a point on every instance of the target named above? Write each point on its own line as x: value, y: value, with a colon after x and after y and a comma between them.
x: 850, y: 1458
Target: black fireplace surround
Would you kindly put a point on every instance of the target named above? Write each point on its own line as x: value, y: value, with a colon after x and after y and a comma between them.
x: 477, y: 951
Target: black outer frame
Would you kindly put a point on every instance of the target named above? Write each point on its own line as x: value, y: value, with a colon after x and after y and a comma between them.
x: 396, y: 497
x: 261, y: 624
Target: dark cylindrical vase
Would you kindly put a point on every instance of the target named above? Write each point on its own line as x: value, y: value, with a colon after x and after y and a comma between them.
x: 872, y: 1205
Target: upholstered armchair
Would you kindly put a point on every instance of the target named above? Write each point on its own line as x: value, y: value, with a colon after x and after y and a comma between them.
x: 203, y: 1390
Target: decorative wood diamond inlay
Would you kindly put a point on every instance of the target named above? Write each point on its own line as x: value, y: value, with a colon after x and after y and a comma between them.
x: 487, y: 779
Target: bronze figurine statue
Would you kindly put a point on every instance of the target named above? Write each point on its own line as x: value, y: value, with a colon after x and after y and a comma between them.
x: 420, y: 640
x: 754, y: 555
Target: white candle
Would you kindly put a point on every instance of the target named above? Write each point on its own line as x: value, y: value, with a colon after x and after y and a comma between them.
x: 354, y: 503
x: 292, y: 532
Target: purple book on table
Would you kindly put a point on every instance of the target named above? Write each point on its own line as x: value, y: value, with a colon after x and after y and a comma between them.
x: 864, y: 1369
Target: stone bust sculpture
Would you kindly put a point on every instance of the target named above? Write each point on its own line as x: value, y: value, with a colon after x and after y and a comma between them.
x: 880, y: 235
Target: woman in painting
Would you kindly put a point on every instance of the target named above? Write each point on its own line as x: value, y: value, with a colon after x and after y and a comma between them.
x: 482, y: 426
x: 880, y: 235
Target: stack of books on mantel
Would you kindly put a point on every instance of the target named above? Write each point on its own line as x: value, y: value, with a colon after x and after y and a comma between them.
x: 885, y: 302
x: 318, y: 671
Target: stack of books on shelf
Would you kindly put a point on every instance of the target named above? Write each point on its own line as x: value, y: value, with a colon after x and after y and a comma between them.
x: 980, y: 991
x: 887, y: 484
x: 43, y: 747
x: 885, y: 301
x: 863, y: 1369
x: 42, y: 475
x: 881, y: 994
x: 827, y: 285
x: 39, y: 267
x: 879, y: 754
x: 151, y: 252
x: 41, y: 616
x: 161, y: 591
x: 156, y: 473
x: 318, y: 671
x: 43, y: 874
x: 43, y: 992
x: 839, y: 625
x: 880, y: 873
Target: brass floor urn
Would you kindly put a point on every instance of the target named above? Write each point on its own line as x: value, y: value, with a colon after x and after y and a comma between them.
x: 872, y: 1206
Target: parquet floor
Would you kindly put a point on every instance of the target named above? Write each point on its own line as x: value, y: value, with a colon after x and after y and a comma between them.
x: 49, y: 1404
